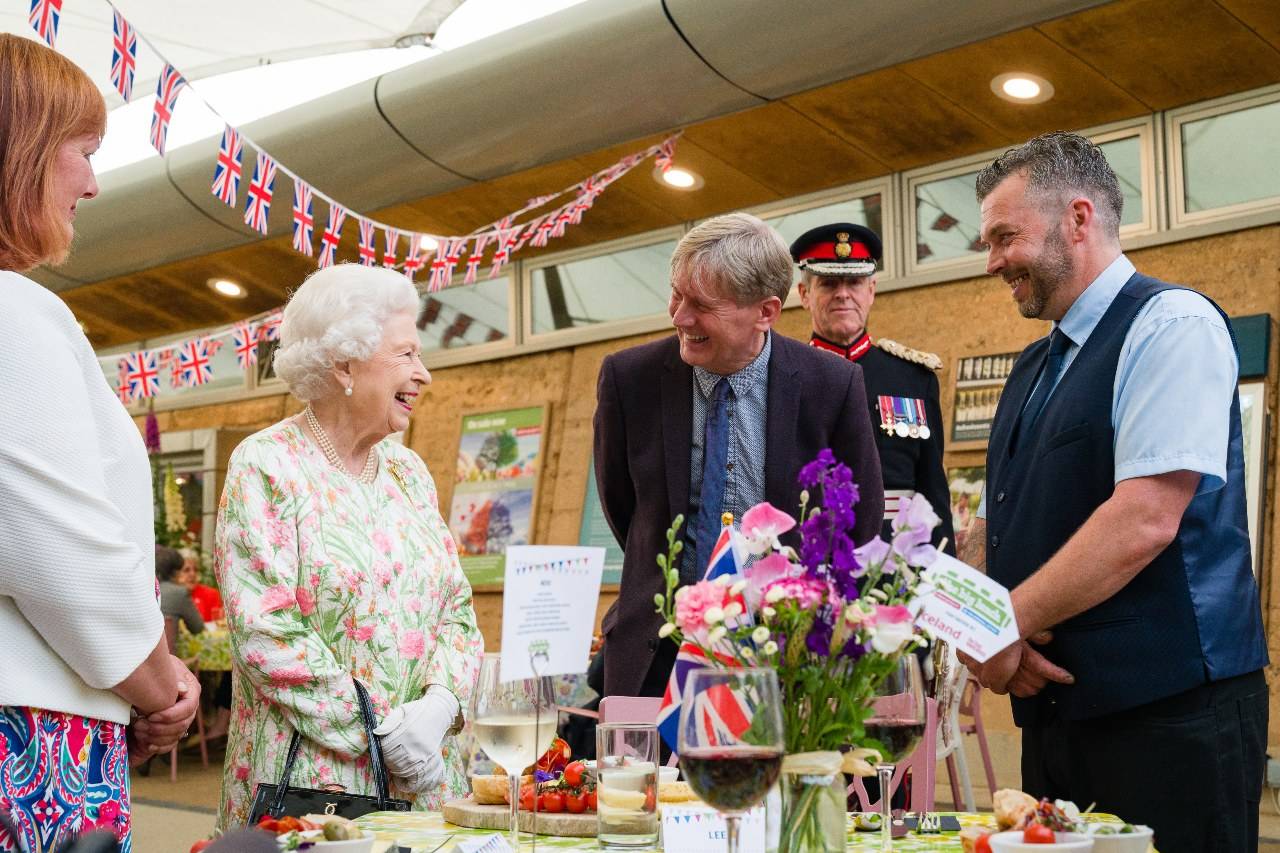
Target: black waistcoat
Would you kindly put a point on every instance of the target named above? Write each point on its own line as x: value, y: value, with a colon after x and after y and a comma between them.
x: 1190, y: 616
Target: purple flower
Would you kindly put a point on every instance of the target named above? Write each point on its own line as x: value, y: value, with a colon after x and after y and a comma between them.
x: 811, y: 474
x: 874, y: 552
x: 913, y: 531
x: 540, y: 776
x: 152, y: 439
x: 819, y: 640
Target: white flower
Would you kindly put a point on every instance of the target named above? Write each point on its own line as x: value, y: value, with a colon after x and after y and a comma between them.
x: 768, y: 613
x: 771, y: 648
x: 665, y: 630
x: 721, y: 580
x: 733, y: 610
x: 888, y: 637
x: 759, y: 635
x: 774, y: 595
x: 738, y: 587
x: 717, y: 633
x: 712, y: 615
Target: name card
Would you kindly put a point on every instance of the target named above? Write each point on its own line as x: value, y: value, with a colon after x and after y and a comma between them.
x: 967, y: 609
x: 701, y: 829
x: 485, y: 844
x: 548, y: 609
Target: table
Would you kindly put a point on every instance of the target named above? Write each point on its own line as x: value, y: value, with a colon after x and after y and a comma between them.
x: 426, y: 832
x: 209, y: 651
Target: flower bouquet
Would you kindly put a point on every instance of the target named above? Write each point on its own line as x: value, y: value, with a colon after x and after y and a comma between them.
x: 831, y: 618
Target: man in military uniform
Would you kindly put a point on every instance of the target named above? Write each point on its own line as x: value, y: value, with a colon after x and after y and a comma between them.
x: 837, y: 286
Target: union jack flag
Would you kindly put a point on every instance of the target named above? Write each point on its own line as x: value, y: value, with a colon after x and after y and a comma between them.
x: 167, y: 90
x: 332, y: 234
x: 688, y: 658
x: 452, y: 254
x: 588, y: 191
x: 438, y: 266
x: 44, y: 17
x: 477, y: 255
x: 543, y: 229
x: 562, y: 218
x: 193, y: 367
x: 124, y: 56
x: 416, y: 258
x: 528, y: 232
x: 244, y: 337
x: 666, y: 151
x: 258, y: 205
x: 227, y: 169
x: 304, y: 220
x: 393, y: 244
x: 140, y: 375
x: 368, y: 251
x: 269, y: 328
x: 502, y: 255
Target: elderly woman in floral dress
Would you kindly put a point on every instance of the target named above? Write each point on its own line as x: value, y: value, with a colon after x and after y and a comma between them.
x: 335, y: 563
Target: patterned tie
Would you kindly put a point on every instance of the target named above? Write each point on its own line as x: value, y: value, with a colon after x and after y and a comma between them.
x: 715, y: 462
x: 1059, y: 343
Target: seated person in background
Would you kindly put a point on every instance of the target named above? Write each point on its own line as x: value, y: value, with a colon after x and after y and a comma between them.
x: 208, y: 600
x: 175, y: 600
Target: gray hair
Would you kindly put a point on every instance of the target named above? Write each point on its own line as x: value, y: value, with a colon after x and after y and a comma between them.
x: 1060, y: 164
x: 741, y: 253
x: 337, y: 314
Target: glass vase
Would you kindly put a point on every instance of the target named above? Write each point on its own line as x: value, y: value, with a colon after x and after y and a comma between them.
x: 813, y: 803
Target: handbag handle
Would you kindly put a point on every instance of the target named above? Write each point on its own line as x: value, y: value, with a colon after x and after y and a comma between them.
x: 375, y: 756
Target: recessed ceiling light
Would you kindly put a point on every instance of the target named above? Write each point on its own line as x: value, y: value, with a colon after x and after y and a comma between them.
x: 1021, y: 87
x: 677, y: 178
x: 228, y: 288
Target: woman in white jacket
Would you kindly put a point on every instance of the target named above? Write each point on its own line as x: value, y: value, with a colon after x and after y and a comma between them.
x: 82, y: 635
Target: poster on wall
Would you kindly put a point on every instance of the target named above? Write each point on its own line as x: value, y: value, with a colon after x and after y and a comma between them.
x: 1253, y: 427
x: 595, y: 531
x: 496, y: 487
x: 966, y: 493
x: 979, y: 381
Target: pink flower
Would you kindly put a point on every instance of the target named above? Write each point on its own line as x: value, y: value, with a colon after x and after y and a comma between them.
x: 363, y: 633
x: 278, y: 598
x: 893, y: 627
x: 381, y: 541
x: 414, y: 605
x: 760, y: 574
x: 762, y: 525
x: 412, y: 645
x: 314, y: 579
x: 242, y: 773
x: 256, y: 659
x: 804, y: 592
x: 108, y: 811
x: 306, y: 601
x: 693, y: 602
x: 289, y: 676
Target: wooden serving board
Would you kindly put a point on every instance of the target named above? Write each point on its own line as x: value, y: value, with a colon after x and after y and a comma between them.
x: 467, y: 812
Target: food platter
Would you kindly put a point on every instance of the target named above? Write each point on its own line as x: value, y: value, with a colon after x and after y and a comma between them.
x: 467, y: 812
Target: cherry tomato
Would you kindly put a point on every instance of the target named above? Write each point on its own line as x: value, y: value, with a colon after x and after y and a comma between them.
x: 575, y: 803
x: 551, y: 802
x: 1037, y: 833
x: 573, y: 773
x: 269, y: 824
x: 983, y: 844
x: 200, y: 845
x: 288, y: 824
x: 591, y: 800
x: 650, y: 799
x: 527, y: 797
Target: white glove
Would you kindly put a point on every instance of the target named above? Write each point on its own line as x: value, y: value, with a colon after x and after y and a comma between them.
x: 411, y: 738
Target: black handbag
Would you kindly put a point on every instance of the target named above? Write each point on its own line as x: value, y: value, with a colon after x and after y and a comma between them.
x: 278, y: 800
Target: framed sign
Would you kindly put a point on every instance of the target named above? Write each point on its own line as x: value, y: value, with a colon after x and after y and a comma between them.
x: 966, y: 493
x: 595, y: 531
x: 496, y: 489
x: 1253, y: 426
x: 979, y: 381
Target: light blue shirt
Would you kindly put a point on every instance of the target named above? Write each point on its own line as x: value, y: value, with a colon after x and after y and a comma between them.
x: 1174, y: 379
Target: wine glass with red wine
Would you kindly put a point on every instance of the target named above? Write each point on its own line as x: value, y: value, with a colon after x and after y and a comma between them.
x: 895, y: 727
x: 731, y: 739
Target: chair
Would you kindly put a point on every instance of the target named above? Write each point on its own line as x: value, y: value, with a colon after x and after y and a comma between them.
x: 921, y: 762
x: 633, y: 709
x: 171, y: 640
x: 970, y: 705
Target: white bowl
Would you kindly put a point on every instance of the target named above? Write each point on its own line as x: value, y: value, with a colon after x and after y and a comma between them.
x: 668, y: 774
x: 1011, y: 842
x: 1130, y: 842
x: 316, y: 838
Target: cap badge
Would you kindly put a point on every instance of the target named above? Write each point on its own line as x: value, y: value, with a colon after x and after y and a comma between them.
x: 843, y: 249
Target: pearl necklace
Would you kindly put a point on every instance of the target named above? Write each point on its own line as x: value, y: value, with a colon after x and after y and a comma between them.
x: 370, y: 472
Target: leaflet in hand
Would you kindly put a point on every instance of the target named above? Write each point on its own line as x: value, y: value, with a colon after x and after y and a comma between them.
x: 967, y: 609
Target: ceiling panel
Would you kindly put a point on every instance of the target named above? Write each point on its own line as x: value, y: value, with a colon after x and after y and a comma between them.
x: 1261, y: 16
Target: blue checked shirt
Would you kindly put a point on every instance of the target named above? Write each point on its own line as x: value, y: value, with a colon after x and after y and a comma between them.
x: 744, y: 484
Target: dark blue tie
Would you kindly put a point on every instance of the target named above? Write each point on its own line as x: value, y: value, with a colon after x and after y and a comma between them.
x: 715, y: 463
x: 1059, y: 343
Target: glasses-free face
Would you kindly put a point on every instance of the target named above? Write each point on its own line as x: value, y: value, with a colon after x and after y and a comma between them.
x: 715, y: 332
x: 838, y: 304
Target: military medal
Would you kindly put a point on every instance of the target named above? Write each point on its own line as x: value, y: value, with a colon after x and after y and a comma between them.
x: 924, y: 427
x: 886, y: 414
x: 901, y: 426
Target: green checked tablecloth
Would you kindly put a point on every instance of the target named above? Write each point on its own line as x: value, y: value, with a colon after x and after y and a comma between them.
x: 210, y: 649
x: 426, y: 832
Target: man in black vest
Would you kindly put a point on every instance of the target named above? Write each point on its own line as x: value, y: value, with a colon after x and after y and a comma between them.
x: 1115, y: 512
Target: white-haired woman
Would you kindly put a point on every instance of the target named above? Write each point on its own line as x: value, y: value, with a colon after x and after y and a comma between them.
x: 335, y: 563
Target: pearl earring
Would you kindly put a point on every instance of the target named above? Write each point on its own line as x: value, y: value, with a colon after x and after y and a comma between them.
x: 349, y: 390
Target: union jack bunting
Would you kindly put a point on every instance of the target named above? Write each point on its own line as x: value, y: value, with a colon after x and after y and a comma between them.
x: 561, y: 218
x: 167, y: 90
x: 666, y: 151
x: 269, y: 328
x: 227, y: 169
x: 124, y: 56
x: 44, y: 18
x: 543, y: 229
x: 529, y: 230
x: 332, y: 234
x: 193, y: 367
x: 392, y: 245
x: 304, y: 220
x: 368, y: 251
x: 244, y: 337
x: 477, y: 255
x: 438, y: 270
x: 588, y: 191
x: 452, y: 255
x: 258, y: 205
x: 140, y: 374
x: 502, y: 255
x: 416, y: 258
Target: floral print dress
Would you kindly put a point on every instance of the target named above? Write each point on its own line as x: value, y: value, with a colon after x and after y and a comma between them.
x: 325, y: 578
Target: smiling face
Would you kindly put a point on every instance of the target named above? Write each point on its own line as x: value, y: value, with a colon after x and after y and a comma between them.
x: 73, y: 177
x: 715, y: 332
x: 838, y: 304
x: 387, y: 384
x: 1028, y: 249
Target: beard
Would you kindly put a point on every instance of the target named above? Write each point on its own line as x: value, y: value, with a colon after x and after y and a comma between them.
x: 1046, y: 274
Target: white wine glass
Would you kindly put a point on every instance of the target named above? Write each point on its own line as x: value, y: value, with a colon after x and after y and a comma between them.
x: 731, y: 739
x: 894, y: 728
x: 514, y: 723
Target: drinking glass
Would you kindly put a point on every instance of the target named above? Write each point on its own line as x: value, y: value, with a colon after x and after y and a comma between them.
x: 895, y: 727
x: 514, y: 723
x: 627, y: 785
x: 731, y: 739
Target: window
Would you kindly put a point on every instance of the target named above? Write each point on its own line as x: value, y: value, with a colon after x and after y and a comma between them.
x: 464, y: 316
x: 1225, y: 158
x: 947, y: 219
x: 618, y: 285
x: 865, y: 210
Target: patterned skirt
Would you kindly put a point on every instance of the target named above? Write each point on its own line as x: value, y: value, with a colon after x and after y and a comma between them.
x: 61, y: 775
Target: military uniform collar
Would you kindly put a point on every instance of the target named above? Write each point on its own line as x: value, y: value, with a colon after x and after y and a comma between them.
x: 853, y: 352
